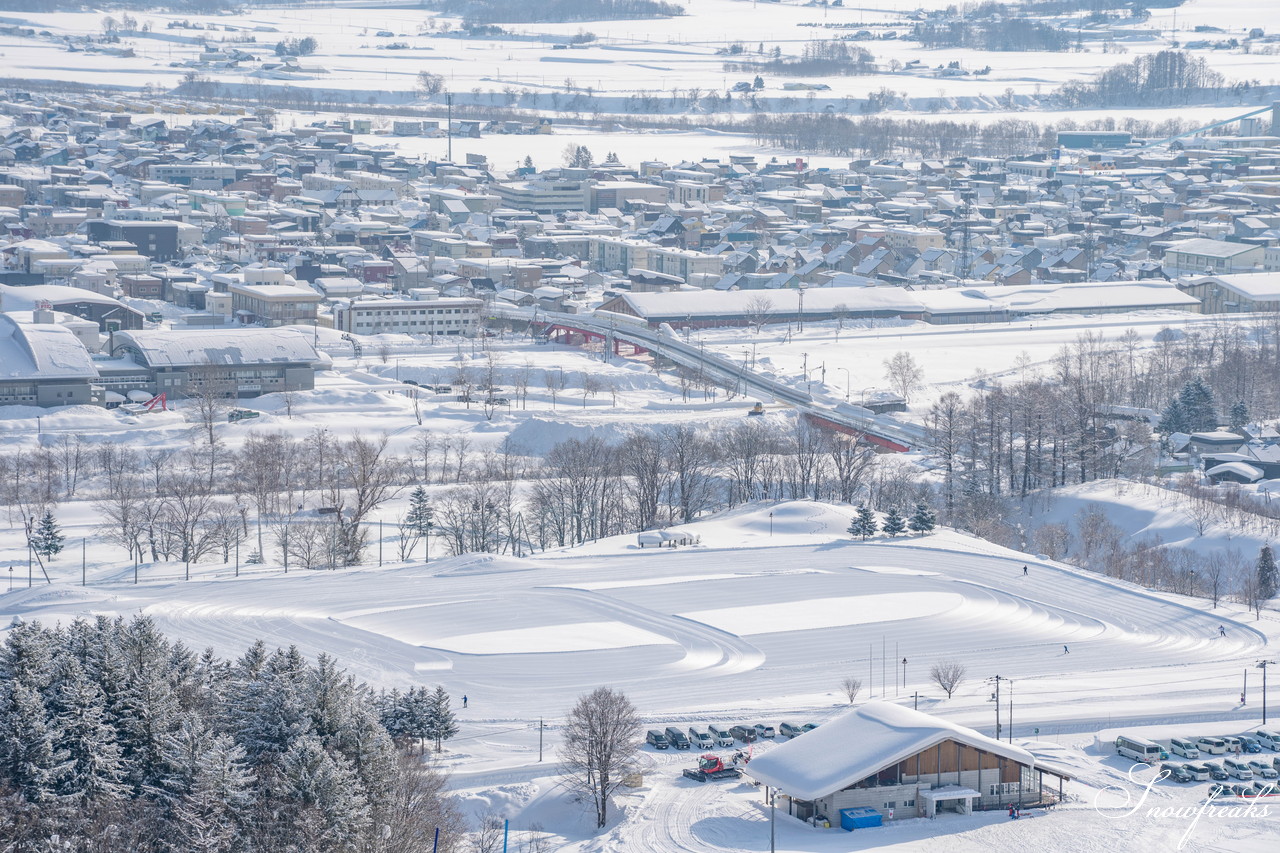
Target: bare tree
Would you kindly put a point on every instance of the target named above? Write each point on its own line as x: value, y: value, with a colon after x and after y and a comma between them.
x: 948, y: 674
x: 523, y: 377
x: 488, y: 837
x: 1213, y: 574
x: 418, y: 810
x: 371, y: 477
x: 758, y: 311
x: 590, y: 387
x: 209, y: 393
x: 904, y: 374
x: 553, y: 380
x: 851, y: 687
x: 601, y: 741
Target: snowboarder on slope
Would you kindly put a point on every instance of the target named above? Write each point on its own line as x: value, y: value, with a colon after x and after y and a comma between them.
x: 1065, y: 651
x: 1024, y: 571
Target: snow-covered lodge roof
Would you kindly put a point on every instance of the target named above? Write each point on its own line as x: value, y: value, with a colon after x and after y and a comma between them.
x: 861, y: 742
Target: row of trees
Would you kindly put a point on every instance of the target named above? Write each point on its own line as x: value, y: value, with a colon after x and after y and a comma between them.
x: 1054, y: 425
x: 114, y: 738
x: 864, y: 524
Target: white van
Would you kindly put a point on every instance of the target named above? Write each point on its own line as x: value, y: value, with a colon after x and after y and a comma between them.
x: 1238, y: 768
x: 1212, y: 745
x: 1183, y: 747
x: 1268, y: 738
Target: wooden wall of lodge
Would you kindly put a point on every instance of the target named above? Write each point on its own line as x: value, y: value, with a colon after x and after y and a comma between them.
x: 950, y: 757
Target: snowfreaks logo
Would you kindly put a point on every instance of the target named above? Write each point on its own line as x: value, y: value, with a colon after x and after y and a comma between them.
x: 1116, y: 803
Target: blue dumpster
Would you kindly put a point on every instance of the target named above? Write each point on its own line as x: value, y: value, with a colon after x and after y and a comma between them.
x: 851, y: 819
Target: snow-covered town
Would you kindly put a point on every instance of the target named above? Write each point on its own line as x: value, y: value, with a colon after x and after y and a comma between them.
x: 802, y: 428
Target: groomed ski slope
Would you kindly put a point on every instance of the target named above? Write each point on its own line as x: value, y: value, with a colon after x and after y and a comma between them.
x: 744, y: 619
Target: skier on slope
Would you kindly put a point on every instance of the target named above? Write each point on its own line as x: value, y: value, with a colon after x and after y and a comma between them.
x: 1065, y: 650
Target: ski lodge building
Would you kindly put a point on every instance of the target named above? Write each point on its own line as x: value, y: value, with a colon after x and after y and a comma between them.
x: 902, y: 763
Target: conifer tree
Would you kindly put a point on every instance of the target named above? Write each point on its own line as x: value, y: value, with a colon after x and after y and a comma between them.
x: 922, y: 520
x: 85, y: 735
x: 894, y: 523
x: 443, y: 723
x: 1268, y: 578
x: 1197, y: 403
x: 47, y: 539
x: 1238, y: 416
x: 1173, y: 419
x: 864, y: 523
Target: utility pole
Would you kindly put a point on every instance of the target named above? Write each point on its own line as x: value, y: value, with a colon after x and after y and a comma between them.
x: 82, y: 562
x: 915, y: 704
x: 539, y: 739
x: 996, y: 696
x: 448, y: 123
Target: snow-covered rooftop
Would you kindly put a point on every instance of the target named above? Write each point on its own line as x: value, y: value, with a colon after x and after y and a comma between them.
x: 46, y: 351
x: 861, y: 742
x: 230, y: 346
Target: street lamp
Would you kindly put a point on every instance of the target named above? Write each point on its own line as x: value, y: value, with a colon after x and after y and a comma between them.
x: 800, y: 321
x: 1262, y: 665
x: 846, y: 382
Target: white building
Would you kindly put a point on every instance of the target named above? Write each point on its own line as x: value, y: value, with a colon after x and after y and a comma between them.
x: 438, y: 315
x: 544, y: 196
x: 1210, y: 257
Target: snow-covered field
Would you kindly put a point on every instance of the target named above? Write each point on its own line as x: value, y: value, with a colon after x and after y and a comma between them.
x: 760, y: 621
x: 663, y: 59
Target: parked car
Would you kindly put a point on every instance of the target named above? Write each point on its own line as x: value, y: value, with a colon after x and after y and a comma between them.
x: 1250, y: 745
x: 1212, y: 745
x: 764, y: 730
x: 1263, y: 770
x: 1184, y: 747
x: 677, y: 738
x: 1216, y: 790
x: 1232, y: 743
x: 746, y: 734
x: 1238, y: 768
x: 1265, y: 788
x: 1243, y: 790
x: 1198, y: 772
x: 1216, y: 772
x: 1269, y: 738
x: 700, y: 739
x: 722, y: 736
x: 1176, y: 773
x: 808, y: 727
x: 657, y: 739
x: 788, y: 730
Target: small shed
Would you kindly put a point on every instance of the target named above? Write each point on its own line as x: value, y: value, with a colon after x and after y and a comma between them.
x: 666, y: 538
